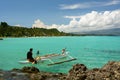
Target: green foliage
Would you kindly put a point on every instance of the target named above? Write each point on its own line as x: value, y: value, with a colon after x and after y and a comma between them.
x: 13, y: 31
x: 4, y: 24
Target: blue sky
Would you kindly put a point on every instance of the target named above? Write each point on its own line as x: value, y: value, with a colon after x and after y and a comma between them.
x: 65, y: 15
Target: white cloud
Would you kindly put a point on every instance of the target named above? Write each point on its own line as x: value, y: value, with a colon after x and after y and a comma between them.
x: 88, y: 22
x: 74, y: 6
x: 95, y: 21
x: 18, y: 25
x: 113, y: 2
x: 72, y: 17
x: 89, y: 4
x: 38, y: 24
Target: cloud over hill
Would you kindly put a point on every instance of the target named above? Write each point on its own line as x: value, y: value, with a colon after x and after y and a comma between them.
x: 87, y: 22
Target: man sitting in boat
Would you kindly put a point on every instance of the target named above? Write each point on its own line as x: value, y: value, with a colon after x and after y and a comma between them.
x: 29, y: 56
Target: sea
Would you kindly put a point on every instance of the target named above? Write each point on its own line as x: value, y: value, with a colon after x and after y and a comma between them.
x: 92, y: 51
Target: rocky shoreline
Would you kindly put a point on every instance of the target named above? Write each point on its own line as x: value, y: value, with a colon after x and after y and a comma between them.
x: 110, y: 71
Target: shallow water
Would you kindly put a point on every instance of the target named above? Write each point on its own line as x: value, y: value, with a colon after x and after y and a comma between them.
x: 93, y: 51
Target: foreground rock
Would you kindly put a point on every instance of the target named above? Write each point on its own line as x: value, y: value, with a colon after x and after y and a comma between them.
x: 29, y: 73
x: 110, y: 71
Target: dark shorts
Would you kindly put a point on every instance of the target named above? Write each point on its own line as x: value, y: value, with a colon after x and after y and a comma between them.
x: 32, y: 60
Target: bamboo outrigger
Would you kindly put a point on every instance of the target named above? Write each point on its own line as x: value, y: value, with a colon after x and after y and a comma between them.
x: 55, y: 56
x: 62, y: 62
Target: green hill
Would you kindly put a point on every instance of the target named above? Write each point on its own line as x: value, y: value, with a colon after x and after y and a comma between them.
x: 14, y: 31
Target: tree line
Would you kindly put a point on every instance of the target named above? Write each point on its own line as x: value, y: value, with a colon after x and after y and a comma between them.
x: 14, y: 31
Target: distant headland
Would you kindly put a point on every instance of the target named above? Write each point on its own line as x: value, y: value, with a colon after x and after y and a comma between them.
x: 15, y: 31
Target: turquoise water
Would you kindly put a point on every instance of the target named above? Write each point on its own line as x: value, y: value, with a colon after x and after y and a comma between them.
x: 93, y: 51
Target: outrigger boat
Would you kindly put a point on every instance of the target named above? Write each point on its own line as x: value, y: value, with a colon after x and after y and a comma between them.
x: 53, y: 59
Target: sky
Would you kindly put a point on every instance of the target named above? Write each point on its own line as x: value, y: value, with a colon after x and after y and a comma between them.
x: 65, y: 15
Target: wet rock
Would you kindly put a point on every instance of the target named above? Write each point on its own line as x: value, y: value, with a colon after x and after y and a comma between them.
x: 15, y: 69
x: 30, y: 69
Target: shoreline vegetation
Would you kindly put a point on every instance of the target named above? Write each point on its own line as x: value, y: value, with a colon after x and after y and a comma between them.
x: 110, y: 71
x: 15, y: 31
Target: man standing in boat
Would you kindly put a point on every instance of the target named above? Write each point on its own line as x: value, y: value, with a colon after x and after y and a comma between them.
x: 29, y: 56
x: 38, y: 53
x: 63, y: 50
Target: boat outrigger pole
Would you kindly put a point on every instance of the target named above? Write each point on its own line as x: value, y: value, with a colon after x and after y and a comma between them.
x: 62, y: 61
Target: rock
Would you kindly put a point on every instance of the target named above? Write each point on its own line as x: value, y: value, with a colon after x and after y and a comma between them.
x: 17, y: 70
x: 77, y: 72
x: 11, y: 75
x: 78, y: 68
x: 110, y: 71
x: 112, y: 66
x: 97, y: 74
x: 46, y: 76
x: 30, y: 69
